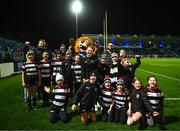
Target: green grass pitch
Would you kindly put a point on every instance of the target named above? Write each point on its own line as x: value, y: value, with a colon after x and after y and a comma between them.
x: 13, y: 114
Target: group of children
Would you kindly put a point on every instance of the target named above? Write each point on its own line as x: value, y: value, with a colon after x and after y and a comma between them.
x: 89, y: 82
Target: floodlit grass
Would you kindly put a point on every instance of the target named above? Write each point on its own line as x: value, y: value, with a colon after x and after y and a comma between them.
x: 14, y: 116
x: 167, y: 71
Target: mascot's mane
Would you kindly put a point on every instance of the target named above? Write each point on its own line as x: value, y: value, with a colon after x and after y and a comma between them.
x: 83, y: 43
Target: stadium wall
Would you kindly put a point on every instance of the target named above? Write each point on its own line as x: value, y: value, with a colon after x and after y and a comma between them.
x: 6, y: 69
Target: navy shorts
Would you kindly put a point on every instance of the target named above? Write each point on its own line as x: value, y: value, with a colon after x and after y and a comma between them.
x: 54, y: 80
x: 31, y: 81
x: 84, y: 109
x: 46, y: 81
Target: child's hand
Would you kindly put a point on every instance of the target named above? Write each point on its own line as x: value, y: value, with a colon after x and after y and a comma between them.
x: 24, y: 84
x: 85, y: 80
x: 109, y: 111
x: 155, y: 113
x: 47, y: 89
x: 74, y: 107
x: 79, y: 81
x: 128, y: 113
x: 99, y: 105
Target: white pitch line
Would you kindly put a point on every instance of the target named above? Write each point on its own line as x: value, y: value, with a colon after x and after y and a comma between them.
x: 172, y: 78
x: 172, y: 99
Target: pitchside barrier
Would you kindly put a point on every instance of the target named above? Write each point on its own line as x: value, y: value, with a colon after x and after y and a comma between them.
x: 6, y: 69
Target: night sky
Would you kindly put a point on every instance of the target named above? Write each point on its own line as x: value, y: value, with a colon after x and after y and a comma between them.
x: 54, y: 20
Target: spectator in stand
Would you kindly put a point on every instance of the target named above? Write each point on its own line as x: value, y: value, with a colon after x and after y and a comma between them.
x: 8, y: 55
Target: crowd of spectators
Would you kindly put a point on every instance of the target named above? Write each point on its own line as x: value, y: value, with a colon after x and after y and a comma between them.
x: 8, y: 47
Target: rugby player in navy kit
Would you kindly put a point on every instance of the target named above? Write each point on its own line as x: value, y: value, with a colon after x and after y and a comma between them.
x: 87, y: 96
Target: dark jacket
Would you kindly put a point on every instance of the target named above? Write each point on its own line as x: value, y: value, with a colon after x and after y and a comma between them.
x: 140, y: 102
x: 129, y: 73
x: 103, y: 70
x: 66, y: 69
x: 87, y: 94
x: 89, y: 65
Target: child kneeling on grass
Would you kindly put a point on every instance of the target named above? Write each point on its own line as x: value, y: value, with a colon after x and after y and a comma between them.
x: 156, y: 99
x: 139, y: 105
x: 106, y: 99
x: 121, y: 103
x: 60, y: 95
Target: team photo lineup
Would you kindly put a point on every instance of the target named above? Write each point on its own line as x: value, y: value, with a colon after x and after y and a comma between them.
x: 89, y: 65
x: 88, y: 80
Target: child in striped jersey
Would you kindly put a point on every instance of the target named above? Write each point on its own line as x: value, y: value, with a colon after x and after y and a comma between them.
x: 106, y: 99
x: 156, y: 99
x: 56, y: 66
x: 116, y: 69
x: 60, y: 95
x: 76, y: 68
x: 121, y: 103
x: 30, y: 79
x: 45, y: 78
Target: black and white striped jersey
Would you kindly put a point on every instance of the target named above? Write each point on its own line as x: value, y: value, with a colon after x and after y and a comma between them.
x: 45, y: 69
x: 121, y: 99
x: 76, y: 72
x: 155, y: 97
x: 30, y: 69
x: 60, y: 96
x: 106, y: 96
x: 116, y: 71
x: 56, y: 67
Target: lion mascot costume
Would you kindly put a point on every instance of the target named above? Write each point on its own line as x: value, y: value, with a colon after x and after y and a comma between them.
x: 83, y: 43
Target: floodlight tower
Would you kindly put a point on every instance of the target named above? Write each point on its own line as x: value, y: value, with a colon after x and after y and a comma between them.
x: 76, y: 7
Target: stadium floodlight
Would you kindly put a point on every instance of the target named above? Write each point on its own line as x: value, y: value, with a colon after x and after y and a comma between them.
x: 76, y: 8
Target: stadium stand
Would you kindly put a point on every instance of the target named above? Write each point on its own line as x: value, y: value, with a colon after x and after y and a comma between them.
x: 147, y: 46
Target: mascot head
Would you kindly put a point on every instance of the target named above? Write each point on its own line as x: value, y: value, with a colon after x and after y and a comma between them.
x: 83, y: 43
